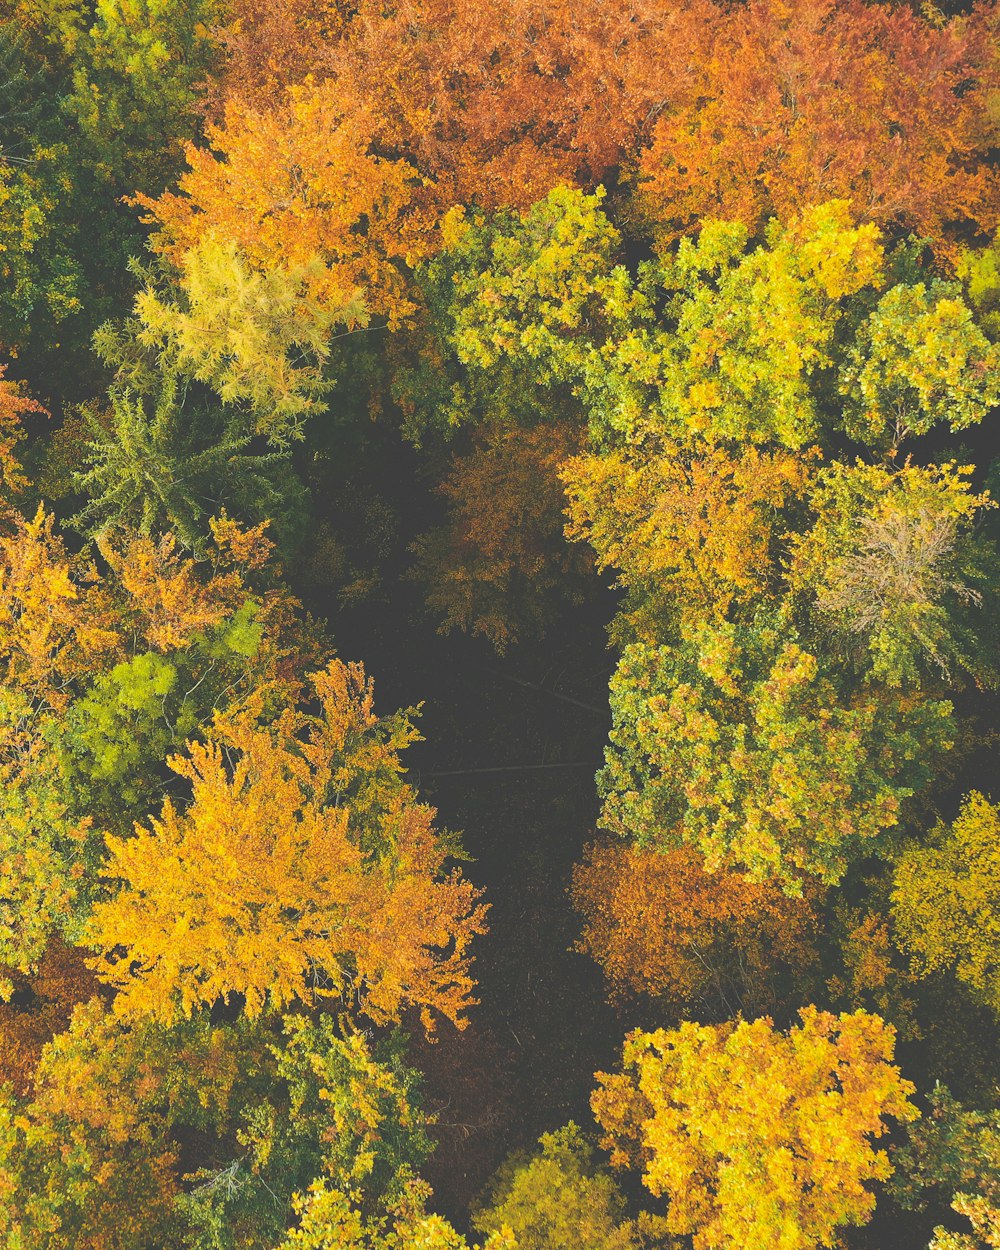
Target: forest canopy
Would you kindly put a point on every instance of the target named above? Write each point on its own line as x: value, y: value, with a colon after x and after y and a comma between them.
x: 499, y: 625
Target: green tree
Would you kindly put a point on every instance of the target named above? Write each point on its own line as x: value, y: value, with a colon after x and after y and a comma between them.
x: 919, y: 359
x: 558, y: 1199
x: 45, y: 844
x: 946, y: 899
x: 197, y: 1135
x: 745, y: 744
x: 166, y: 462
x: 951, y: 1149
x: 137, y: 69
x: 332, y: 1105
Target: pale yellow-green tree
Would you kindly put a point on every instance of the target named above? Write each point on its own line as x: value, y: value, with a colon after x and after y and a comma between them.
x: 257, y: 337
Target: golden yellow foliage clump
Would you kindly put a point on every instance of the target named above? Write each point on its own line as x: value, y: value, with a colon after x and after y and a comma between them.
x: 758, y: 1138
x: 303, y: 868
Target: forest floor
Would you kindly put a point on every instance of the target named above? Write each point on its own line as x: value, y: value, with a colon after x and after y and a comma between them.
x: 511, y: 745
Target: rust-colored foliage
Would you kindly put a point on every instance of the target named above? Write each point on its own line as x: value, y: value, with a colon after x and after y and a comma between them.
x: 500, y: 564
x: 343, y: 136
x: 40, y: 1007
x: 15, y: 405
x: 800, y: 101
x: 758, y: 108
x: 494, y: 103
x: 658, y: 924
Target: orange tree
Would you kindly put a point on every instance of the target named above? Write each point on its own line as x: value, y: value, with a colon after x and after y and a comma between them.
x: 660, y: 925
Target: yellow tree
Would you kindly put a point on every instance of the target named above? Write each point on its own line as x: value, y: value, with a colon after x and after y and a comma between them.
x: 303, y: 867
x: 330, y: 1220
x: 691, y: 533
x: 759, y: 1139
x: 52, y: 630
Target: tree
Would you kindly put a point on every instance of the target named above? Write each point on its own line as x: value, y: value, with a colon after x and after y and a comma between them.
x: 303, y: 869
x: 15, y: 405
x: 659, y: 925
x: 745, y: 745
x: 557, y: 1199
x: 690, y: 535
x: 958, y: 1151
x: 896, y: 568
x: 197, y: 1135
x: 946, y: 901
x: 94, y: 99
x: 100, y: 678
x: 298, y: 182
x: 919, y: 359
x: 329, y: 1220
x: 167, y: 463
x: 331, y: 1103
x: 753, y: 332
x: 40, y: 1007
x: 46, y: 846
x: 985, y: 1220
x: 764, y: 108
x: 492, y: 106
x: 756, y: 1137
x: 137, y: 69
x: 950, y: 1149
x: 870, y: 973
x: 260, y: 338
x: 87, y: 1161
x: 979, y: 270
x: 792, y: 104
x: 43, y: 282
x: 499, y: 566
x: 52, y: 629
x: 724, y: 340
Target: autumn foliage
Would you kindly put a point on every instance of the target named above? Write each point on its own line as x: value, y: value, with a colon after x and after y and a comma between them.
x: 792, y: 104
x: 758, y: 1137
x: 303, y: 868
x: 660, y: 925
x: 653, y: 346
